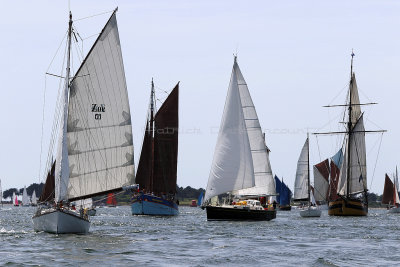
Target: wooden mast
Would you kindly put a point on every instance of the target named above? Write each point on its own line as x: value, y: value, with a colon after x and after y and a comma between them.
x: 349, y: 127
x: 152, y: 135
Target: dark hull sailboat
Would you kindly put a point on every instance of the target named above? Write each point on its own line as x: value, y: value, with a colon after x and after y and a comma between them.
x: 348, y: 207
x: 157, y: 170
x: 218, y: 213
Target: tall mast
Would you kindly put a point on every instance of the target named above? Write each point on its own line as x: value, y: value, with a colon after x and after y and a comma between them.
x: 308, y: 170
x: 152, y: 133
x: 349, y: 126
x: 68, y: 55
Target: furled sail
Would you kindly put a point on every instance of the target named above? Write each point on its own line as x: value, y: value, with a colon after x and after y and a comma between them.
x: 358, y: 165
x: 387, y: 197
x: 49, y: 186
x: 301, y: 182
x: 321, y: 180
x: 355, y: 101
x: 99, y: 130
x: 263, y: 178
x: 232, y: 167
x: 166, y: 124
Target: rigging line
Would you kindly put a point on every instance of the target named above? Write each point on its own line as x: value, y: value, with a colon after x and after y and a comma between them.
x: 374, y: 124
x: 99, y: 14
x: 376, y: 162
x: 340, y: 92
x: 319, y: 151
x: 41, y: 136
x: 52, y: 60
x: 115, y: 194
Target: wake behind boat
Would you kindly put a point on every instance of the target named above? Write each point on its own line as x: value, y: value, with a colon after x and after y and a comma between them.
x: 93, y: 107
x: 157, y: 170
x: 241, y: 161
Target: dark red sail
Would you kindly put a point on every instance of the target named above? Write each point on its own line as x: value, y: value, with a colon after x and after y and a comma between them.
x: 48, y: 192
x: 144, y: 171
x: 111, y: 200
x: 333, y: 183
x: 387, y: 197
x: 166, y: 145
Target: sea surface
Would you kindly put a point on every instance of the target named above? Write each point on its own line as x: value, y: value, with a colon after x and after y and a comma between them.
x: 117, y: 238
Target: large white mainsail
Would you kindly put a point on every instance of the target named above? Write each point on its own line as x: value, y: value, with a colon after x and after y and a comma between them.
x: 232, y: 167
x: 99, y: 131
x: 263, y: 178
x: 302, y: 176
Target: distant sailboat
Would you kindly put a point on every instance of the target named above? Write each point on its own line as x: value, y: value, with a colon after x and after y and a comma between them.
x: 34, y: 199
x: 241, y: 165
x: 284, y: 195
x: 157, y: 169
x: 302, y: 186
x: 200, y: 199
x: 25, y: 198
x: 111, y: 200
x: 95, y: 147
x: 15, y: 200
x: 391, y: 195
x: 351, y: 190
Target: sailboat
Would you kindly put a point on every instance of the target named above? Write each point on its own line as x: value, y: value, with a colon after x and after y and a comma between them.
x: 95, y: 148
x: 391, y: 195
x: 34, y: 199
x: 111, y: 200
x: 200, y: 199
x: 25, y: 198
x: 157, y: 169
x: 351, y: 186
x: 284, y: 195
x: 241, y: 165
x: 15, y: 200
x: 302, y: 186
x: 321, y: 183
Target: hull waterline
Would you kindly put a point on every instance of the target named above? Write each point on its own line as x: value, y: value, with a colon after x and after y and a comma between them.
x: 152, y: 205
x: 353, y: 207
x: 60, y: 222
x: 234, y: 214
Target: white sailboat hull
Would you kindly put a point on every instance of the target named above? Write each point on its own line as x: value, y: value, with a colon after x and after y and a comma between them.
x: 394, y: 210
x: 310, y: 212
x: 60, y: 222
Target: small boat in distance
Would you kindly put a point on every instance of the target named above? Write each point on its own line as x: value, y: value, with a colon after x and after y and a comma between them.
x: 302, y: 185
x: 240, y: 168
x: 111, y: 201
x: 25, y: 198
x: 284, y: 195
x: 15, y: 200
x: 391, y: 195
x: 94, y: 151
x: 157, y: 169
x: 34, y: 199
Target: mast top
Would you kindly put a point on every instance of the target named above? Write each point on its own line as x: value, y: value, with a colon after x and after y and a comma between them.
x: 235, y: 58
x: 352, y: 56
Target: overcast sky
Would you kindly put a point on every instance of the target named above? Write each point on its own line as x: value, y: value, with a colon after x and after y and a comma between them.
x: 294, y: 55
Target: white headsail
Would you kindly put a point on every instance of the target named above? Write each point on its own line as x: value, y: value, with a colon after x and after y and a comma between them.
x: 232, y: 167
x: 13, y: 198
x: 301, y: 181
x: 99, y: 130
x: 263, y: 178
x: 34, y: 199
x: 25, y: 198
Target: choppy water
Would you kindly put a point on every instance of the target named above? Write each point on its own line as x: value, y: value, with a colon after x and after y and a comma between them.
x: 118, y: 238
